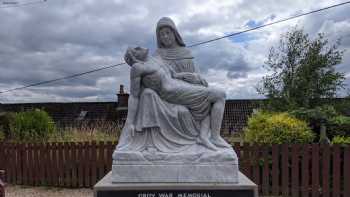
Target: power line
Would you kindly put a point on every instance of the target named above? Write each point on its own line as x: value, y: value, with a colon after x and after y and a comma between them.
x: 62, y: 78
x: 193, y: 45
x: 268, y: 24
x: 11, y: 4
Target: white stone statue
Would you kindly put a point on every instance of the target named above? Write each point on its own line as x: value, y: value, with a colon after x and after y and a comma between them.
x: 172, y: 131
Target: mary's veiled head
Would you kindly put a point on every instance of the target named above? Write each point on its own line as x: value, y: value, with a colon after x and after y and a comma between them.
x: 163, y: 42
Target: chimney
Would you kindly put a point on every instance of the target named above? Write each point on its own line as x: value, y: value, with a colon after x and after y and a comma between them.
x: 122, y: 99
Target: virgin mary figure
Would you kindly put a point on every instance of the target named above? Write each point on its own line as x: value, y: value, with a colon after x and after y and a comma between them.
x: 180, y: 123
x: 172, y: 131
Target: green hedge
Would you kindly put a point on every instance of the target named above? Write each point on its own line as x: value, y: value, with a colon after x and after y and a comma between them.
x: 277, y: 128
x: 31, y: 125
x: 342, y: 140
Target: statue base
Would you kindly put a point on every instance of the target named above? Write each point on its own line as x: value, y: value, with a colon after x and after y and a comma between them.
x: 184, y: 167
x: 243, y: 188
x: 172, y: 173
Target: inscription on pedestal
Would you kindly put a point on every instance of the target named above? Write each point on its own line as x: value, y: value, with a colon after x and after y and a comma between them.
x: 176, y: 193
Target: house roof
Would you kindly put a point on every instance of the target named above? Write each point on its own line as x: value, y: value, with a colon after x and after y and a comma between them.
x: 68, y: 112
x: 235, y: 118
x: 235, y: 115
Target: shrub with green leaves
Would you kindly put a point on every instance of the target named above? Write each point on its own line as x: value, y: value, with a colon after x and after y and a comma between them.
x: 2, y: 135
x: 339, y: 126
x: 5, y: 121
x: 317, y: 114
x: 31, y: 125
x: 277, y: 128
x: 342, y: 140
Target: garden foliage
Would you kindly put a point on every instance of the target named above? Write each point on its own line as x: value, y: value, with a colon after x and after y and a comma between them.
x: 302, y: 71
x: 342, y: 140
x: 31, y: 125
x: 277, y: 128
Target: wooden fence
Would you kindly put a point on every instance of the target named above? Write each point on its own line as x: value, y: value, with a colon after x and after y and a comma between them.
x: 279, y: 170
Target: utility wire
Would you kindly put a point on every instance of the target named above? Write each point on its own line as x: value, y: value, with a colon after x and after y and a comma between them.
x: 62, y: 78
x: 268, y: 24
x: 10, y: 4
x: 193, y: 45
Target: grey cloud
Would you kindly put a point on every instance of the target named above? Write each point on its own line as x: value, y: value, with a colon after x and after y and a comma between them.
x: 226, y: 56
x: 64, y: 37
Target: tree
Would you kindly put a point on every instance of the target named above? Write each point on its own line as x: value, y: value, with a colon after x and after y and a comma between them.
x: 303, y: 71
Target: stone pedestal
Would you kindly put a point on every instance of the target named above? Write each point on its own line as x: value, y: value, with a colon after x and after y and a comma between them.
x: 195, y: 173
x: 194, y: 166
x: 243, y: 188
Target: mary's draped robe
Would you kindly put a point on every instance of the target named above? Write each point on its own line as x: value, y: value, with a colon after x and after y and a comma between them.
x: 161, y: 125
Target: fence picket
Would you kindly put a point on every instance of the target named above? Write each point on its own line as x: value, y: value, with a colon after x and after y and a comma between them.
x: 246, y: 162
x: 305, y: 181
x: 110, y: 149
x: 325, y: 170
x: 10, y: 165
x: 30, y: 167
x: 60, y: 164
x: 87, y: 164
x: 315, y: 170
x: 100, y: 160
x: 55, y: 175
x: 49, y: 164
x: 67, y: 165
x: 285, y: 171
x: 346, y: 171
x: 41, y: 168
x: 19, y: 162
x: 93, y: 163
x: 2, y: 156
x: 295, y: 170
x: 336, y: 171
x: 73, y: 149
x: 275, y: 172
x: 266, y: 169
x: 80, y: 165
x: 256, y: 165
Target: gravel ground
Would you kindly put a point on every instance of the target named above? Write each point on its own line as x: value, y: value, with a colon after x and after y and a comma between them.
x: 24, y: 191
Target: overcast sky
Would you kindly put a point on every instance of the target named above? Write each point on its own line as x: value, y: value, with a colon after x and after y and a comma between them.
x: 63, y: 37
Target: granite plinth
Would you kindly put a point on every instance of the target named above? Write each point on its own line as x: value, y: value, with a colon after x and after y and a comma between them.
x: 192, y: 166
x: 243, y: 188
x: 187, y: 173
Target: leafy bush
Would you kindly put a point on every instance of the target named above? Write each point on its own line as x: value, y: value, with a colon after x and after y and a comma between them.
x: 277, y: 128
x: 2, y: 135
x: 315, y: 115
x: 341, y: 140
x: 343, y: 107
x: 339, y: 125
x: 31, y: 125
x: 5, y: 121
